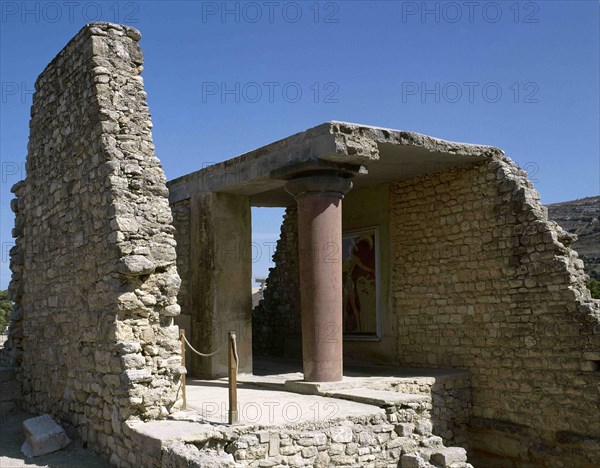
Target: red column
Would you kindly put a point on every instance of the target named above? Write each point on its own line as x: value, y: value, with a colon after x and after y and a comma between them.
x: 319, y: 200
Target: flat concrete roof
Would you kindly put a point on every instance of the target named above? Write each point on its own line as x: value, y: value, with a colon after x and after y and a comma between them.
x: 379, y: 155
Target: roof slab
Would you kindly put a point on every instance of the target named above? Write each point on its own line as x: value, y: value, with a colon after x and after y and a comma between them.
x: 374, y: 155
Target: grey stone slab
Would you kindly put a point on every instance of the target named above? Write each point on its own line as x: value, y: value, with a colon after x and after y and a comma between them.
x: 378, y: 397
x: 449, y: 455
x: 44, y: 436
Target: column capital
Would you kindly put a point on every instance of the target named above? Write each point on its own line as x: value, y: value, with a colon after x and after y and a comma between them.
x: 323, y: 184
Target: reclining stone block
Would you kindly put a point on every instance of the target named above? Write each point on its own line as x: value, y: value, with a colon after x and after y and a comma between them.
x: 44, y: 436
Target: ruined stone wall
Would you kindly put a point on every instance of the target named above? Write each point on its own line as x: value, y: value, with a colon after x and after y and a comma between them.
x: 277, y: 317
x: 94, y: 276
x: 483, y: 281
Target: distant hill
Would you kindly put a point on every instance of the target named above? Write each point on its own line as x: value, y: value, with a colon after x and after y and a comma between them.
x: 581, y: 217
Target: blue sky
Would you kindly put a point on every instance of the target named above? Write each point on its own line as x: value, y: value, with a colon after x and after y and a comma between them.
x: 227, y: 77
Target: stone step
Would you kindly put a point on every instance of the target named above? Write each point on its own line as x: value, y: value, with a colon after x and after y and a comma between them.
x: 379, y: 398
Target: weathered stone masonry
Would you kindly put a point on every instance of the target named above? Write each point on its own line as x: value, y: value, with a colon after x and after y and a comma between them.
x: 483, y: 281
x: 94, y: 277
x: 276, y: 320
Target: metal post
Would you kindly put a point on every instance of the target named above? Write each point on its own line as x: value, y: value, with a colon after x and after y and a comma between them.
x: 182, y: 338
x: 233, y: 364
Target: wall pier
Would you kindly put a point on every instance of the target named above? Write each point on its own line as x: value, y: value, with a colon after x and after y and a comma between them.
x: 220, y: 275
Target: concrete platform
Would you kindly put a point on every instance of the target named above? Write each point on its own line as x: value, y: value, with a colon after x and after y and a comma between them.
x: 386, y: 152
x: 379, y: 397
x: 265, y: 406
x: 276, y: 393
x: 275, y: 402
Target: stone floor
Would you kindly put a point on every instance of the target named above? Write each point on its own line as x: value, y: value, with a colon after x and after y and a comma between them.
x: 259, y: 405
x: 275, y: 402
x: 274, y: 396
x: 276, y: 393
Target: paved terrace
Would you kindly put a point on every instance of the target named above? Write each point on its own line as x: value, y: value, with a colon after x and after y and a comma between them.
x: 276, y: 396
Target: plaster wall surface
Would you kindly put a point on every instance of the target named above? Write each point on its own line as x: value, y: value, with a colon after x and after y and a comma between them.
x: 214, y: 249
x: 94, y: 277
x: 363, y: 209
x: 181, y: 222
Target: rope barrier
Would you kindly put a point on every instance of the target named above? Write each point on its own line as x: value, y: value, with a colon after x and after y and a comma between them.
x: 232, y: 371
x: 202, y: 354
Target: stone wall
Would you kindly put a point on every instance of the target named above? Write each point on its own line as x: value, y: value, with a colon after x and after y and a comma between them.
x: 10, y: 391
x: 451, y: 405
x: 181, y: 222
x: 276, y: 325
x: 483, y: 281
x: 94, y: 277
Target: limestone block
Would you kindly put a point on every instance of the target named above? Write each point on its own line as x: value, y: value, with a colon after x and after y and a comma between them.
x: 341, y: 434
x: 43, y: 435
x: 449, y: 455
x: 308, y: 452
x: 138, y: 375
x: 322, y: 460
x: 404, y: 429
x: 135, y: 265
x: 413, y: 460
x: 274, y: 445
x: 423, y: 427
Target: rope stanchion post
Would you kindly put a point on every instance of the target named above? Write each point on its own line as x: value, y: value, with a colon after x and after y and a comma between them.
x: 182, y: 338
x: 233, y: 366
x: 233, y: 369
